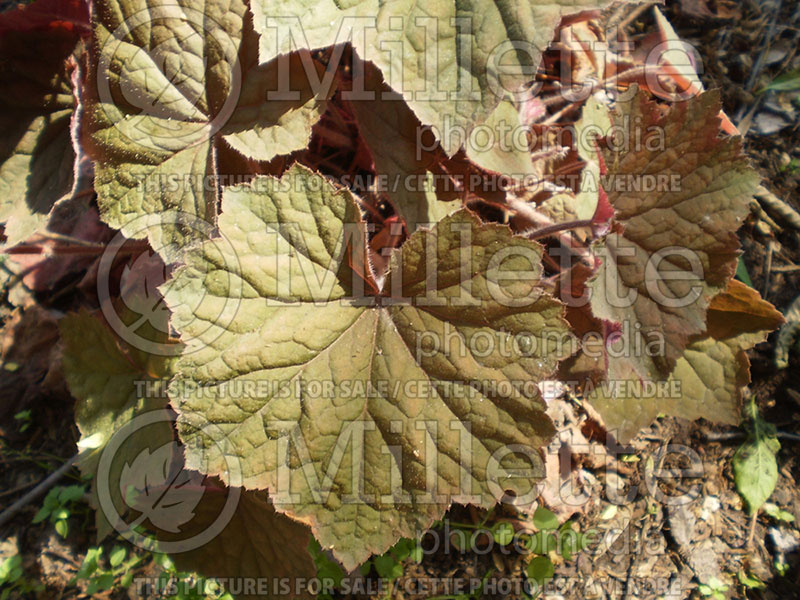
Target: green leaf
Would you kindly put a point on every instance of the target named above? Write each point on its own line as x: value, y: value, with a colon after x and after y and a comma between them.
x: 166, y: 562
x: 387, y: 566
x: 774, y: 511
x: 41, y: 515
x: 755, y: 470
x: 301, y: 319
x: 71, y: 493
x: 416, y: 555
x: 542, y: 542
x: 105, y: 582
x: 453, y: 62
x: 328, y: 568
x: 11, y: 569
x: 62, y: 528
x: 545, y: 520
x: 786, y: 82
x: 540, y: 569
x: 750, y: 581
x: 36, y: 105
x: 117, y: 555
x: 570, y: 540
x: 404, y: 548
x: 682, y: 229
x: 742, y: 274
x: 503, y: 533
x: 89, y: 564
x: 781, y: 566
x: 126, y: 580
x: 60, y: 514
x: 170, y: 82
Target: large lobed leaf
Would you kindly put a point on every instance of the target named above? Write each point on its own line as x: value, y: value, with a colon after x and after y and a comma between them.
x: 398, y: 434
x: 168, y: 79
x: 708, y: 378
x: 690, y: 219
x: 453, y: 62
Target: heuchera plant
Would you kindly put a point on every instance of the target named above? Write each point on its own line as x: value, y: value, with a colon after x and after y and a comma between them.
x: 379, y: 233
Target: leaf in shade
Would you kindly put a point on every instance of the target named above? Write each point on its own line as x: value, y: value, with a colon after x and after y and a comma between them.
x: 674, y: 246
x: 148, y: 473
x: 303, y: 321
x: 38, y: 46
x: 112, y: 384
x: 453, y: 62
x: 401, y: 155
x: 65, y: 15
x: 257, y: 544
x: 139, y: 290
x: 707, y: 380
x: 167, y: 81
x: 156, y: 485
x: 589, y: 200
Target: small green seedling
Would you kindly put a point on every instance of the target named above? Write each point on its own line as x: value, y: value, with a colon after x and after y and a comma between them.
x: 750, y: 581
x: 389, y: 565
x: 563, y: 539
x: 13, y: 582
x: 781, y: 566
x: 327, y: 568
x: 503, y: 533
x: 24, y: 418
x: 187, y: 586
x: 775, y: 512
x: 714, y: 589
x: 118, y: 574
x: 540, y: 569
x: 57, y: 507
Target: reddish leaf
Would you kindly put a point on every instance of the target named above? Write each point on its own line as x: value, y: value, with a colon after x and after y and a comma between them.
x: 68, y: 15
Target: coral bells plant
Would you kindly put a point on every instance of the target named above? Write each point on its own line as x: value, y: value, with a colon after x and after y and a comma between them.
x: 333, y: 253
